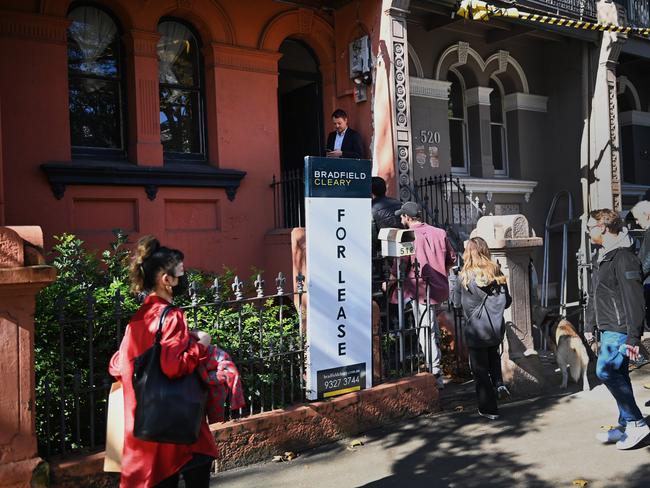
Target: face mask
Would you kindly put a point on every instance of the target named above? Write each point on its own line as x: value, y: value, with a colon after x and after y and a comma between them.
x: 182, y: 287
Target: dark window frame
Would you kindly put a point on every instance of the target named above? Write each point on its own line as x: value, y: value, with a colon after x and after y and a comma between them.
x: 503, y: 130
x: 465, y: 169
x: 199, y: 75
x: 95, y: 153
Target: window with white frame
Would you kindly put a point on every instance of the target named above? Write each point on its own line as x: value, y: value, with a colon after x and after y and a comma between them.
x: 498, y: 130
x: 457, y: 117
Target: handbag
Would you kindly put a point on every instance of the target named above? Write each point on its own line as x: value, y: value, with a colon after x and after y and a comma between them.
x: 167, y: 410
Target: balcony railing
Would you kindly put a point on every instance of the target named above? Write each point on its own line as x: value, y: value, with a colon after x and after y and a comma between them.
x: 638, y: 12
x: 581, y: 9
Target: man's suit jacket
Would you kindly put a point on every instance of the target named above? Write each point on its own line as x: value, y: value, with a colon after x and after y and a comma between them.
x: 352, y: 146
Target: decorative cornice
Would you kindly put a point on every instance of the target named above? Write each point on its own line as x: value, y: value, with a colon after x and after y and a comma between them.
x: 634, y: 117
x: 61, y: 175
x: 498, y: 185
x: 39, y: 27
x: 142, y: 43
x: 479, y: 95
x: 241, y: 58
x: 427, y: 88
x: 525, y: 101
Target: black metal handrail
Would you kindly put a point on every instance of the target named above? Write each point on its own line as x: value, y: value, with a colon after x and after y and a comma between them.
x: 289, y: 199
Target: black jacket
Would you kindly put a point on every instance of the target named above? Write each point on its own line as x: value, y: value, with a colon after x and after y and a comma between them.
x: 644, y: 256
x: 383, y: 215
x: 616, y: 300
x: 352, y: 146
x: 483, y: 307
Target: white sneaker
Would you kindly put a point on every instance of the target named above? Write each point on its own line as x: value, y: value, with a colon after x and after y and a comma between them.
x: 502, y: 392
x: 634, y: 434
x: 440, y: 382
x: 491, y: 416
x: 612, y: 435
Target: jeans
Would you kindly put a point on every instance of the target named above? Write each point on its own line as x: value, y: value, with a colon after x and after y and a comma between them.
x: 612, y: 369
x: 428, y: 321
x: 485, y: 363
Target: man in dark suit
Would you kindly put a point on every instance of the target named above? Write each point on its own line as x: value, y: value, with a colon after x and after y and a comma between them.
x: 343, y: 142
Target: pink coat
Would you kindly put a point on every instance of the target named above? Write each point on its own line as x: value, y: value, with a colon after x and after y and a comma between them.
x: 435, y: 256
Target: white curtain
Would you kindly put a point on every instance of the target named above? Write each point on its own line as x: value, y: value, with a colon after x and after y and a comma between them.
x: 174, y: 37
x: 93, y: 30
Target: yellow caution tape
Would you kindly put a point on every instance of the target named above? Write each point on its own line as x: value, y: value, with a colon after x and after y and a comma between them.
x: 482, y: 11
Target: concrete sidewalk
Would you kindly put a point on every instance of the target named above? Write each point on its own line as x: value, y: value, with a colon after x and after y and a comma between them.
x: 543, y: 442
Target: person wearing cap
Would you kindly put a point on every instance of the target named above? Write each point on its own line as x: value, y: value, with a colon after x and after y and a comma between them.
x: 435, y: 256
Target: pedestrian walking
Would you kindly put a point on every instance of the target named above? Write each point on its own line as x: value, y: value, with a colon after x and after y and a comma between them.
x: 433, y: 257
x: 482, y: 291
x: 616, y: 308
x: 641, y: 212
x: 159, y: 271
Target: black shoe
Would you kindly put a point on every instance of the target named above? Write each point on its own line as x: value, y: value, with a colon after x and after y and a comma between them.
x: 491, y: 416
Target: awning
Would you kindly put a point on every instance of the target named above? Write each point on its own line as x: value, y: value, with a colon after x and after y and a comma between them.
x: 483, y: 11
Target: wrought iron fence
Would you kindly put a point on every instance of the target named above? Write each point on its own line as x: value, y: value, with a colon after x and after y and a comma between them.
x: 403, y: 334
x: 447, y: 204
x: 581, y: 9
x: 289, y: 199
x: 262, y: 333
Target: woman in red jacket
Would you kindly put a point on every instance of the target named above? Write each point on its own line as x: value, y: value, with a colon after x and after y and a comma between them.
x: 159, y: 271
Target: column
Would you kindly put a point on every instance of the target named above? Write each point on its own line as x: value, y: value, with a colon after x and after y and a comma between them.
x: 145, y: 147
x: 20, y: 280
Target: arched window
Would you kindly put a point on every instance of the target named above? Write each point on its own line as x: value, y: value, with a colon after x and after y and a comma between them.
x: 457, y: 125
x: 498, y: 130
x: 95, y: 84
x: 181, y: 92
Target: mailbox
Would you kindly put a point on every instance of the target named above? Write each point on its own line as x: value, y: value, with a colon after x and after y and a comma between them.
x: 396, y: 242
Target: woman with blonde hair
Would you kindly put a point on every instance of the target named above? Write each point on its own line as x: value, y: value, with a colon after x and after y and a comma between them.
x: 483, y: 293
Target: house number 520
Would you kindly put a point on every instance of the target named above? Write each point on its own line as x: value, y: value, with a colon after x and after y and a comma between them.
x: 429, y: 136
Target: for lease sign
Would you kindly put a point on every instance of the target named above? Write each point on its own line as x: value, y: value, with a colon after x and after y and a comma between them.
x: 339, y: 332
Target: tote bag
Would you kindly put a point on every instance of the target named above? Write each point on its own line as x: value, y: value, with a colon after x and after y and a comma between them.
x: 167, y: 410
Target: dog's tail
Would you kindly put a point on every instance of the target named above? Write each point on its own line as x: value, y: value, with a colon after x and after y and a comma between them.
x: 579, y: 361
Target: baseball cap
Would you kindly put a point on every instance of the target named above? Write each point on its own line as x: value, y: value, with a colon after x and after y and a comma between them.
x: 412, y: 209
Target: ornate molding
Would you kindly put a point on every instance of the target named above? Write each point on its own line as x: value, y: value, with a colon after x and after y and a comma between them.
x: 401, y: 101
x: 617, y: 201
x: 62, y: 175
x: 241, y: 58
x: 43, y: 28
x: 634, y: 117
x: 427, y: 88
x: 525, y: 101
x: 479, y: 95
x: 499, y: 185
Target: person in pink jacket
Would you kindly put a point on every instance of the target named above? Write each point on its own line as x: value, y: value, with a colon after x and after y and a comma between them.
x: 435, y: 256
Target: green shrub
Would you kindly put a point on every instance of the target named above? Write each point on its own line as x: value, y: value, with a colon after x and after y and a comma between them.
x: 80, y: 319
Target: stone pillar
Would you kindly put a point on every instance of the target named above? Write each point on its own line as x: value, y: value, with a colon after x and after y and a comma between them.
x: 21, y: 277
x: 145, y: 147
x: 512, y: 243
x: 399, y: 88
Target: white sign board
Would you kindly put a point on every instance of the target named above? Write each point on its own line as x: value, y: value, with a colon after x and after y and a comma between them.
x: 339, y: 330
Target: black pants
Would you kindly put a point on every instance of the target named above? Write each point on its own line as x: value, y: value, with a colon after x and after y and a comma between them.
x: 194, y: 476
x: 486, y: 369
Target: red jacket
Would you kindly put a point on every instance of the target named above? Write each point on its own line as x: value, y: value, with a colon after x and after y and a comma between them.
x: 144, y: 463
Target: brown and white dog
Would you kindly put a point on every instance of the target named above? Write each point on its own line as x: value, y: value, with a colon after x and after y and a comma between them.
x: 570, y: 353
